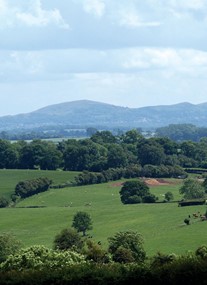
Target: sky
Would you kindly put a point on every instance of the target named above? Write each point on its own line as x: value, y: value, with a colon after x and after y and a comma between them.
x: 130, y: 53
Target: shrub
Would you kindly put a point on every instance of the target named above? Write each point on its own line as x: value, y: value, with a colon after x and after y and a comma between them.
x: 68, y: 239
x: 95, y: 253
x: 4, y: 202
x: 169, y: 196
x: 39, y: 257
x: 8, y: 245
x: 201, y: 251
x: 130, y: 240
x: 123, y: 255
x: 161, y: 259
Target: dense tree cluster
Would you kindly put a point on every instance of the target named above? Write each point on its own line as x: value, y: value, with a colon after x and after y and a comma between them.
x: 102, y: 151
x: 182, y: 132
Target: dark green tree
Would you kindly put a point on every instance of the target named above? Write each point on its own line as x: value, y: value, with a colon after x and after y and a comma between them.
x: 4, y: 202
x: 82, y: 222
x: 169, y: 196
x: 127, y: 246
x: 103, y: 137
x: 116, y: 156
x: 31, y: 187
x: 68, y: 239
x: 134, y: 191
x: 151, y: 153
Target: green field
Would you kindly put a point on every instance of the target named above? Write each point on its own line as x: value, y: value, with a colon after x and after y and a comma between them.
x: 160, y: 224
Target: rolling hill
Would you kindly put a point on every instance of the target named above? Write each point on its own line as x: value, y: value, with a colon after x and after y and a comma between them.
x: 85, y: 113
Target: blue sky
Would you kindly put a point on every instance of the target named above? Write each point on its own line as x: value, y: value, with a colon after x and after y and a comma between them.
x: 131, y: 53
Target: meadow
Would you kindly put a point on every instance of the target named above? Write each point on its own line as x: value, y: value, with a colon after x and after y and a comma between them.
x: 37, y: 220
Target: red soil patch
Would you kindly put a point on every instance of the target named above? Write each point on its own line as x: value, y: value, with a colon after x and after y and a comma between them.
x: 155, y: 182
x: 148, y: 181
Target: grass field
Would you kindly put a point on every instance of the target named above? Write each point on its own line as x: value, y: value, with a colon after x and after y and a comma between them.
x: 160, y: 224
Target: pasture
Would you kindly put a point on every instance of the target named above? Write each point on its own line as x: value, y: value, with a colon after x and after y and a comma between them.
x: 160, y: 224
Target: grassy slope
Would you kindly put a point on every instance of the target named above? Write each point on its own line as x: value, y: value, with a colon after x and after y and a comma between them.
x: 9, y: 178
x: 160, y: 224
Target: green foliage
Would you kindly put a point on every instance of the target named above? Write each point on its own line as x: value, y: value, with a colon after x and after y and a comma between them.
x: 68, y: 239
x: 192, y: 189
x: 161, y: 259
x: 183, y: 270
x: 8, y: 245
x: 180, y: 132
x: 4, y: 202
x: 123, y: 255
x: 95, y: 253
x: 31, y: 187
x: 129, y: 240
x: 201, y: 251
x: 169, y: 196
x: 39, y: 257
x: 133, y: 192
x: 82, y: 222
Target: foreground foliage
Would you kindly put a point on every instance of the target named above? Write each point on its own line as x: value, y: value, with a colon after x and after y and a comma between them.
x: 184, y: 270
x: 39, y: 257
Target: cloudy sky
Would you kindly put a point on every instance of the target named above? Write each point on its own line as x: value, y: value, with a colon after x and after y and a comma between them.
x: 124, y: 52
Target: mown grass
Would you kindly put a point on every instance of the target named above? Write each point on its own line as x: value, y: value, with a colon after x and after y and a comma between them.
x: 9, y: 178
x: 161, y: 224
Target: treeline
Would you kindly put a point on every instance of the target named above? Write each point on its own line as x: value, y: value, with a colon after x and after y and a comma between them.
x: 102, y: 151
x: 182, y: 132
x: 133, y: 171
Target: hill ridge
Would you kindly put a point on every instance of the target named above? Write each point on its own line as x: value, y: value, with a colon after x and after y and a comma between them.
x: 88, y: 113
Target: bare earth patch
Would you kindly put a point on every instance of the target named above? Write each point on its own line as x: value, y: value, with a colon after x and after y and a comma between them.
x: 148, y: 181
x: 156, y: 182
x: 118, y: 184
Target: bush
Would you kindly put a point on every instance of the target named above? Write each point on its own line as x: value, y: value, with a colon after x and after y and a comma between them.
x: 161, y: 259
x: 39, y: 257
x: 201, y: 251
x: 123, y: 255
x: 4, y: 202
x: 95, y: 253
x: 169, y: 196
x: 151, y: 198
x: 130, y: 240
x: 8, y: 245
x: 68, y: 239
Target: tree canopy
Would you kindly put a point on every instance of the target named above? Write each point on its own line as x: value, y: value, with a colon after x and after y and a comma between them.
x: 133, y: 192
x: 192, y: 189
x: 82, y: 222
x: 129, y: 245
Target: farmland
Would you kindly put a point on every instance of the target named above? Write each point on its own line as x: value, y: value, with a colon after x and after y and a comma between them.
x: 161, y: 224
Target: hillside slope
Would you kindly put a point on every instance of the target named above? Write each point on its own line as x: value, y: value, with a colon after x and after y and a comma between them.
x: 85, y: 113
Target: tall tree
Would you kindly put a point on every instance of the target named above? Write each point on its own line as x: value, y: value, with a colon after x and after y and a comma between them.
x: 82, y: 222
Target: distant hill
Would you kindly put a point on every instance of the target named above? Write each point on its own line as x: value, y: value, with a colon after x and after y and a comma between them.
x: 85, y: 113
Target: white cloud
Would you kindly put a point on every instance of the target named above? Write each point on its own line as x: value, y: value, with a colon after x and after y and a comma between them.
x: 188, y: 4
x: 191, y: 62
x: 133, y: 16
x: 132, y: 19
x: 31, y: 14
x: 95, y: 7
